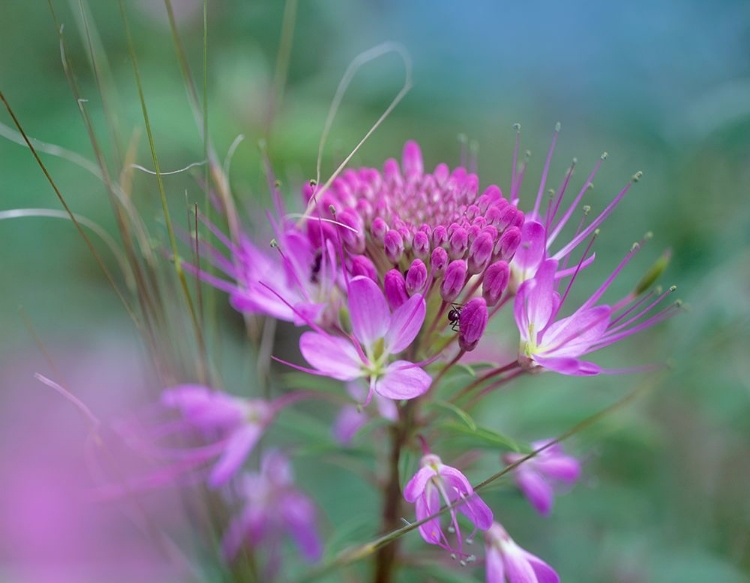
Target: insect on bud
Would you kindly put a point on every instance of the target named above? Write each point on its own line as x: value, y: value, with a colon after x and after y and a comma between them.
x: 471, y: 323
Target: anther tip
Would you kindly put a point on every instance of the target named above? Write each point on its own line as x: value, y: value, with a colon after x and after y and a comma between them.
x: 558, y: 126
x: 672, y: 288
x: 649, y: 235
x: 605, y: 155
x: 274, y: 243
x: 637, y: 176
x: 586, y: 209
x: 517, y: 127
x: 635, y: 246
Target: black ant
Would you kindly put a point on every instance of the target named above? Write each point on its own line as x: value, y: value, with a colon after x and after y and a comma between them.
x: 454, y: 316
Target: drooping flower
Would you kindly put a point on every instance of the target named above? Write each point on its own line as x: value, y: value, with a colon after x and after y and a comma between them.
x: 436, y: 484
x: 378, y: 335
x: 552, y: 343
x: 537, y: 477
x: 509, y: 563
x: 235, y: 423
x: 272, y: 509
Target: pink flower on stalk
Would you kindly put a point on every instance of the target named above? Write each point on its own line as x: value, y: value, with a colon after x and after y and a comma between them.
x: 537, y: 476
x: 273, y: 508
x: 509, y: 563
x: 238, y: 423
x: 556, y: 344
x: 378, y: 335
x: 436, y: 484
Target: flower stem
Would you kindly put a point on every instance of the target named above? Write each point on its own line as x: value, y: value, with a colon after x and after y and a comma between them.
x: 385, y: 559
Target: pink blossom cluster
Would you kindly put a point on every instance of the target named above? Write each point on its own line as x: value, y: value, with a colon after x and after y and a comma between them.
x: 396, y: 274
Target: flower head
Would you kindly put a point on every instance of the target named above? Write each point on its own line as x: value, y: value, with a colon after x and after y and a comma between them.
x: 378, y: 335
x: 238, y: 424
x: 509, y: 563
x: 536, y: 477
x: 272, y: 508
x: 436, y: 484
x: 553, y: 343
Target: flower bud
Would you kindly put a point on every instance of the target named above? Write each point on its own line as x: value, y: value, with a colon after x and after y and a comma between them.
x: 472, y: 323
x: 438, y: 261
x: 508, y: 243
x: 394, y: 246
x: 453, y: 280
x: 421, y: 245
x: 378, y: 229
x: 416, y: 277
x: 352, y: 234
x: 458, y: 243
x: 395, y: 289
x: 392, y: 172
x: 480, y: 253
x: 318, y: 232
x: 439, y: 236
x: 412, y: 160
x: 361, y: 265
x: 495, y: 281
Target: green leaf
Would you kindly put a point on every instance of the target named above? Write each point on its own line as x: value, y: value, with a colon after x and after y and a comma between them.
x: 460, y: 413
x: 483, y: 437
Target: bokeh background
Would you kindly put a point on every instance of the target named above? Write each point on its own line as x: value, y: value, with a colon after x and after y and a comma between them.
x: 663, y: 87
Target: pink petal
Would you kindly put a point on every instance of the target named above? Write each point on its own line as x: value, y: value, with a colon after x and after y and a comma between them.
x: 331, y: 355
x: 386, y: 408
x: 237, y: 449
x: 530, y: 252
x: 544, y: 573
x: 568, y: 366
x: 299, y: 516
x: 427, y: 505
x: 541, y: 301
x: 495, y: 566
x: 416, y: 486
x: 537, y: 491
x: 405, y: 324
x: 203, y: 407
x: 403, y: 380
x: 348, y: 422
x: 517, y: 567
x: 572, y: 336
x: 368, y: 310
x: 564, y: 468
x: 473, y: 507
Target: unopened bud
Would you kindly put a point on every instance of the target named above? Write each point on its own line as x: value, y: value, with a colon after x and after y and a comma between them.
x: 480, y: 253
x: 394, y: 246
x: 439, y: 236
x: 395, y: 289
x: 416, y: 277
x: 361, y: 265
x: 471, y: 323
x: 453, y: 280
x: 653, y: 273
x: 495, y: 281
x: 508, y: 243
x: 378, y: 229
x: 412, y: 160
x: 421, y: 245
x: 458, y: 243
x: 438, y: 261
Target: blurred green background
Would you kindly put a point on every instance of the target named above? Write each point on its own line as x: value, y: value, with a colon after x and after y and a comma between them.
x: 664, y: 87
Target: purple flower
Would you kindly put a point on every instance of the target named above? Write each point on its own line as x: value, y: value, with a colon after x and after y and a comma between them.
x: 378, y: 335
x: 436, y: 484
x: 292, y: 282
x: 273, y: 508
x: 552, y: 343
x: 509, y: 563
x: 236, y: 425
x: 537, y: 476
